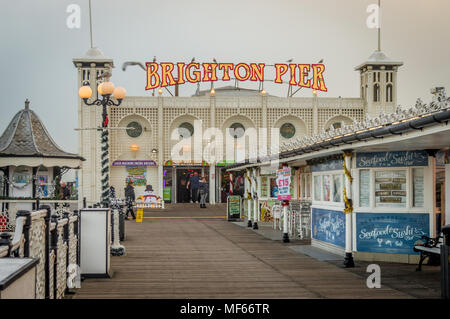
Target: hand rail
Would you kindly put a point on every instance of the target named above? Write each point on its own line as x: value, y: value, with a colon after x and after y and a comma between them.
x: 51, y: 238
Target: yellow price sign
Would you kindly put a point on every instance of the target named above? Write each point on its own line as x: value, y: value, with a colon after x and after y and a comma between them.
x: 139, y: 215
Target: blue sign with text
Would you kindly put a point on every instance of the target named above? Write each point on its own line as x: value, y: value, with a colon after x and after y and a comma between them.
x: 392, y: 159
x: 330, y: 165
x: 390, y: 233
x: 328, y: 226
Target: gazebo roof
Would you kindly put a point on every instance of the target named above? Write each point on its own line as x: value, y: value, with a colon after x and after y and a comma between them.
x: 26, y: 136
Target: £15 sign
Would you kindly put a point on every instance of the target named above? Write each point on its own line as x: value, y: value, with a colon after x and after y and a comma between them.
x: 284, y: 183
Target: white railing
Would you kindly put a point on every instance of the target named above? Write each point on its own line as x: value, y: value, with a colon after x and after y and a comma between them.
x: 51, y: 238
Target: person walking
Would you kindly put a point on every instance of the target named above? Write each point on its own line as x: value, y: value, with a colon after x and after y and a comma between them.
x: 203, y: 189
x: 130, y: 198
x: 194, y: 184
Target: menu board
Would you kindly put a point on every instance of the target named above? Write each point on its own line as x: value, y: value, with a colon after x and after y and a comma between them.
x: 364, y: 188
x: 390, y: 188
x: 234, y: 207
x: 264, y: 187
x: 418, y: 187
x: 136, y: 175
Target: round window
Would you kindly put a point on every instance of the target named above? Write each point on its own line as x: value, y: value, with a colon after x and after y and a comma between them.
x: 134, y: 129
x: 237, y: 130
x: 287, y: 130
x: 186, y: 130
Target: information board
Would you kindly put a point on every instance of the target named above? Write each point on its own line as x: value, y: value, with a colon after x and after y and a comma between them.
x: 284, y: 183
x: 167, y: 194
x: 234, y: 204
x: 137, y: 175
x: 390, y: 232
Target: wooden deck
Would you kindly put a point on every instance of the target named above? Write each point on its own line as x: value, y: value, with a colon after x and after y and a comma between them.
x: 213, y: 258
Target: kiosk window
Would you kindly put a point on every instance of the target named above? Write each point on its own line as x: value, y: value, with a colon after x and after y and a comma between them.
x: 326, y: 188
x: 308, y: 186
x: 418, y: 187
x: 364, y: 188
x: 337, y: 188
x: 390, y: 188
x: 318, y: 188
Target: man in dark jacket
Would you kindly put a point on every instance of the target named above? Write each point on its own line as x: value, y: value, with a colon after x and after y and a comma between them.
x: 193, y: 183
x: 130, y: 198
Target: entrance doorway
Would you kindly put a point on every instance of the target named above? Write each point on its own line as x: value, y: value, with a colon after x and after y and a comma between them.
x: 182, y: 176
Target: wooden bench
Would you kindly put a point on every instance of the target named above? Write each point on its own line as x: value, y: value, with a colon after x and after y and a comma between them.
x: 429, y: 249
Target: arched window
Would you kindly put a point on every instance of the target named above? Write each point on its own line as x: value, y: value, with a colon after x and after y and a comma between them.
x: 376, y: 93
x: 134, y: 129
x: 389, y: 93
x: 287, y: 130
x: 186, y: 130
x: 237, y: 130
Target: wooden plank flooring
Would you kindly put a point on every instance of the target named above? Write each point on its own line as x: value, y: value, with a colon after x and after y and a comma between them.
x: 212, y: 258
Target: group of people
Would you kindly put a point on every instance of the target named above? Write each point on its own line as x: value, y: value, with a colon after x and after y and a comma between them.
x: 193, y: 189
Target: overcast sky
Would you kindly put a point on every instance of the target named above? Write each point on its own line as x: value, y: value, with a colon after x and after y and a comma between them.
x: 36, y: 46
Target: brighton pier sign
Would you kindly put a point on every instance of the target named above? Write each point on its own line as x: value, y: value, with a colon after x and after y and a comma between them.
x: 169, y: 74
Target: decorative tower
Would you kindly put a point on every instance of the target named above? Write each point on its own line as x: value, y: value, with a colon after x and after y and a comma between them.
x: 379, y: 83
x: 90, y: 68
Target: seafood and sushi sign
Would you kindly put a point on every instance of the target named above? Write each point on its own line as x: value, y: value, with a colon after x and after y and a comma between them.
x: 328, y: 226
x: 390, y: 233
x: 392, y: 159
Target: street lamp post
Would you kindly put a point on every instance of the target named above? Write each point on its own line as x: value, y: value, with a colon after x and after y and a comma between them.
x: 107, y: 91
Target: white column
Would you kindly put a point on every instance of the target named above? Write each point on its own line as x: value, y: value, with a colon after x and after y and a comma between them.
x: 285, y: 219
x: 348, y: 217
x: 248, y: 190
x: 447, y: 194
x: 255, y: 199
x: 212, y: 184
x: 160, y: 147
x: 160, y: 180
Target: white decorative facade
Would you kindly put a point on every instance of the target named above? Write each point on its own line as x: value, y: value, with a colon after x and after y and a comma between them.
x: 159, y: 116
